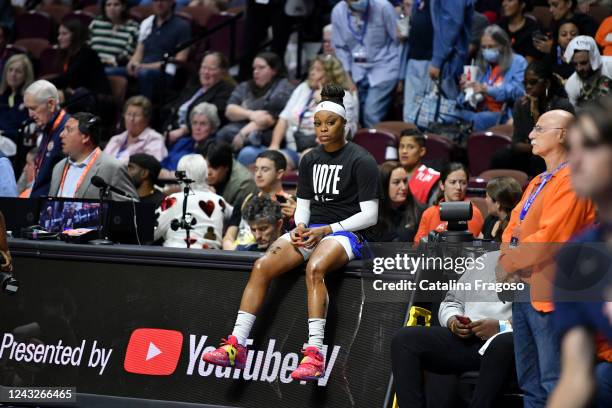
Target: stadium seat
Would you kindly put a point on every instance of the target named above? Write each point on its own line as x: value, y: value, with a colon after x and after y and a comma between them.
x: 33, y: 24
x: 221, y: 40
x: 543, y: 15
x: 48, y: 62
x: 57, y: 12
x: 599, y: 13
x: 84, y: 17
x: 34, y: 46
x: 382, y: 145
x: 505, y: 130
x: 518, y: 175
x: 93, y: 9
x: 480, y: 148
x: 394, y: 127
x: 199, y: 14
x: 481, y: 203
x: 10, y: 50
x: 139, y: 13
x: 438, y: 151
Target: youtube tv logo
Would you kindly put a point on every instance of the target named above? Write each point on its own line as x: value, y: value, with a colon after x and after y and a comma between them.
x: 153, y: 351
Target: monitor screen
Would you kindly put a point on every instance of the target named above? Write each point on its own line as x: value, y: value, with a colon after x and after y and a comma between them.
x: 57, y: 215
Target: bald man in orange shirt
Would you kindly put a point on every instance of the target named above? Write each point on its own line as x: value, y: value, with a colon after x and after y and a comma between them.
x: 548, y: 215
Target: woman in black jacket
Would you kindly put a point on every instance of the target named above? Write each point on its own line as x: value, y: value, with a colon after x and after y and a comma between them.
x: 80, y: 66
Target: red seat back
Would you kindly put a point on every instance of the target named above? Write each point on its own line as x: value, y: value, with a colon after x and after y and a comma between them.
x: 438, y: 151
x: 481, y: 147
x: 33, y: 24
x: 382, y: 145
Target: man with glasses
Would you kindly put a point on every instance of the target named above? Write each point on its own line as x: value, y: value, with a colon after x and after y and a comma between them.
x: 586, y: 327
x: 159, y: 34
x: 548, y: 214
x: 592, y: 78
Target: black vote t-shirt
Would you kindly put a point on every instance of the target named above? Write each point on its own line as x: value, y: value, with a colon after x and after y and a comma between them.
x: 335, y: 183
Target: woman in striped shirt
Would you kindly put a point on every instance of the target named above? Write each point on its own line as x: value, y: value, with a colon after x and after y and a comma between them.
x: 112, y: 35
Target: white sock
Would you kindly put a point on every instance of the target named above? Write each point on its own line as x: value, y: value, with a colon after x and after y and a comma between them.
x: 242, y: 328
x: 316, y: 332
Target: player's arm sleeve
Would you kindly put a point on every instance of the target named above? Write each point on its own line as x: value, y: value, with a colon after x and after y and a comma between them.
x: 363, y: 219
x: 302, y: 212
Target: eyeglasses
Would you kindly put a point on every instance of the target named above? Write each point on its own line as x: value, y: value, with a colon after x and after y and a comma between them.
x: 540, y: 130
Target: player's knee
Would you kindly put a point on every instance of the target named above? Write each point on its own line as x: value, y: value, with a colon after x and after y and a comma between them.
x: 315, y: 272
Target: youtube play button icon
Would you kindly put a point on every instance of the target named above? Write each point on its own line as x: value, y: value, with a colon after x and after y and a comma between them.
x: 153, y: 351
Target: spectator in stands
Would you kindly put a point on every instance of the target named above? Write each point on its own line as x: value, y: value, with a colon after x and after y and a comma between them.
x: 229, y: 178
x: 544, y: 92
x: 327, y: 47
x: 500, y: 83
x: 422, y: 179
x: 8, y: 184
x: 16, y: 77
x: 452, y: 23
x: 5, y: 35
x: 549, y: 213
x: 203, y: 123
x: 520, y: 28
x: 503, y: 193
x: 113, y: 35
x: 364, y: 37
x: 270, y: 167
x: 207, y: 208
x: 144, y: 170
x: 215, y: 86
x: 468, y: 320
x: 453, y: 186
x: 399, y: 214
x: 7, y: 262
x: 563, y: 10
x: 264, y: 217
x: 592, y: 78
x: 138, y: 137
x: 259, y: 17
x: 567, y: 32
x: 604, y: 36
x: 294, y: 129
x: 585, y: 327
x: 159, y: 34
x: 24, y: 184
x: 416, y: 56
x: 42, y: 101
x: 80, y: 66
x: 72, y: 175
x: 255, y: 105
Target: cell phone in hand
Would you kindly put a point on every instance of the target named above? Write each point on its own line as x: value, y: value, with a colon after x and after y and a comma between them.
x: 281, y: 199
x: 463, y: 319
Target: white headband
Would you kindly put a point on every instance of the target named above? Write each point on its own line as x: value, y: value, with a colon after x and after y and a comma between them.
x: 331, y: 107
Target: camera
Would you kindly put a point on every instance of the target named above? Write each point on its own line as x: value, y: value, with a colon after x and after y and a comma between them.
x: 456, y: 214
x: 181, y: 177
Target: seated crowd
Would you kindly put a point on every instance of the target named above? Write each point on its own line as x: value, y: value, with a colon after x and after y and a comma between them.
x: 240, y: 142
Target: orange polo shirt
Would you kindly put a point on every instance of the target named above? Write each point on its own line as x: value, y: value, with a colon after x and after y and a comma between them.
x: 602, y: 37
x: 430, y: 221
x: 554, y: 217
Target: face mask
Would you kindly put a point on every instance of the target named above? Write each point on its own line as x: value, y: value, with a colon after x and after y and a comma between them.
x: 491, y: 55
x: 359, y: 5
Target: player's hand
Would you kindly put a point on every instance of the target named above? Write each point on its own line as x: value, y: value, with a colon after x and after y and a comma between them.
x: 484, y: 329
x: 458, y: 329
x: 312, y: 236
x: 288, y: 208
x: 297, y: 233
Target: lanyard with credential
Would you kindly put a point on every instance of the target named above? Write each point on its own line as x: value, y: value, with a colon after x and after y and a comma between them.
x: 532, y: 197
x: 45, y: 142
x: 359, y: 36
x: 491, y: 81
x: 87, y: 168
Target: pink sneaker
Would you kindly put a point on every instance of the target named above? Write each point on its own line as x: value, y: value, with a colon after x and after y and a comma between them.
x: 312, y: 366
x: 230, y: 354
